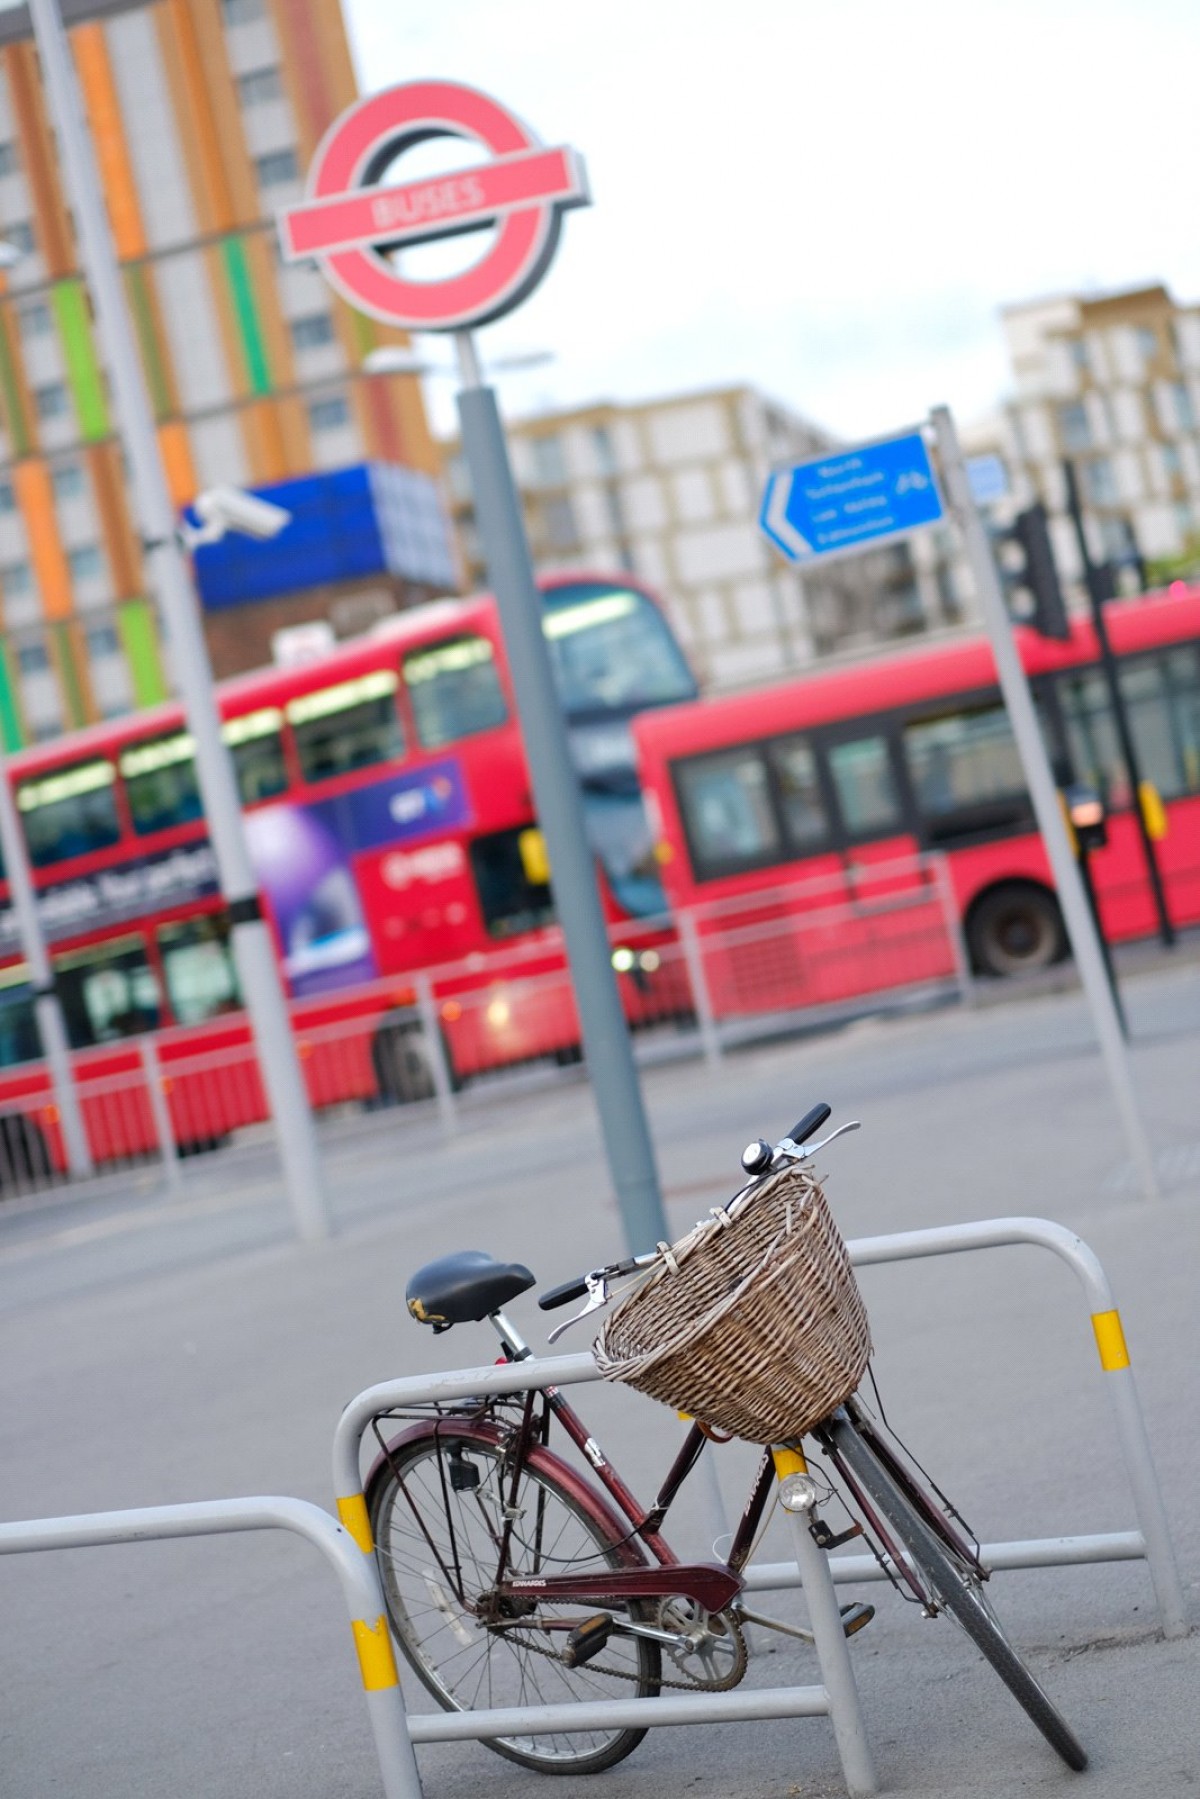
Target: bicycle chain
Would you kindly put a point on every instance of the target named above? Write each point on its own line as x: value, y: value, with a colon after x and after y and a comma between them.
x: 687, y: 1686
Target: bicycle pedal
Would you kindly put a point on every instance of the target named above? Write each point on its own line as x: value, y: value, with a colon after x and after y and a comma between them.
x: 587, y: 1639
x: 855, y: 1618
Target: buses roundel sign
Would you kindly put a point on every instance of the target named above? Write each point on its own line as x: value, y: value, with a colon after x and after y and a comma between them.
x: 350, y: 218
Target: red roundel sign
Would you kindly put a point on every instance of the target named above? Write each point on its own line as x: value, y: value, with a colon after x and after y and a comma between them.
x: 348, y: 219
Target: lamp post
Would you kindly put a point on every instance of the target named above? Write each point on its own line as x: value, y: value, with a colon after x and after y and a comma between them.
x: 171, y: 581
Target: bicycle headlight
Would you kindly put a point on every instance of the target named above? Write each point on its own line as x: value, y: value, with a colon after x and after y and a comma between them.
x: 797, y: 1492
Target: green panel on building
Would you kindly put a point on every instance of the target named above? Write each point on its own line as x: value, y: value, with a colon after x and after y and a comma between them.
x: 83, y: 370
x: 139, y: 639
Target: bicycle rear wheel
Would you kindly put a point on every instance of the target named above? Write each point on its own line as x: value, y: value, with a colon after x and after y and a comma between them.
x: 437, y: 1505
x: 955, y: 1584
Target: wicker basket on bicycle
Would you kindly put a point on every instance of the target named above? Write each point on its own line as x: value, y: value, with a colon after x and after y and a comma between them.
x: 753, y: 1322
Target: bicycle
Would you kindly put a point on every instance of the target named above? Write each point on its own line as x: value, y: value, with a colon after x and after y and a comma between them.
x: 512, y: 1578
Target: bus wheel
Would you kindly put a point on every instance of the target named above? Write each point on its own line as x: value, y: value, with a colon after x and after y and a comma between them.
x: 1014, y: 929
x: 402, y: 1072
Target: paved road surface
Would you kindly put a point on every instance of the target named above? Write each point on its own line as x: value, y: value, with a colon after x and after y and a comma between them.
x: 154, y: 1350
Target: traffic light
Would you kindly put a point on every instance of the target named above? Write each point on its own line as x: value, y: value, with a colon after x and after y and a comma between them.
x: 1038, y: 573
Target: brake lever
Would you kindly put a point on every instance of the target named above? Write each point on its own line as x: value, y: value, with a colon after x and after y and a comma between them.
x: 802, y: 1152
x: 597, y: 1286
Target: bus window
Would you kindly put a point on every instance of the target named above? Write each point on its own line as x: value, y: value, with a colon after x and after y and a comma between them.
x: 612, y: 649
x: 256, y: 745
x: 966, y: 773
x: 107, y: 992
x: 351, y: 725
x: 619, y: 835
x: 866, y: 787
x: 455, y: 690
x: 198, y: 966
x: 20, y: 1040
x: 1162, y: 694
x: 161, y: 784
x: 795, y: 763
x: 69, y: 813
x: 1092, y: 741
x: 511, y: 895
x: 730, y: 822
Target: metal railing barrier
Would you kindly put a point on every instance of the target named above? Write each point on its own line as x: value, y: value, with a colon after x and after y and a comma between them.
x: 358, y: 1575
x: 1152, y: 1541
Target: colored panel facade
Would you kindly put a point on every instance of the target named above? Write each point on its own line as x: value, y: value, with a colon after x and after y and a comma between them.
x: 203, y: 115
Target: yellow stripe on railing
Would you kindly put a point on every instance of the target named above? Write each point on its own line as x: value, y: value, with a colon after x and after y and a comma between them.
x: 375, y: 1657
x: 352, y: 1512
x: 1110, y: 1340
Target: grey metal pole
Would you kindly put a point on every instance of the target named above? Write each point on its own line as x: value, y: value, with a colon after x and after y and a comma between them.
x: 556, y: 792
x: 46, y: 1004
x: 171, y: 581
x: 1015, y: 688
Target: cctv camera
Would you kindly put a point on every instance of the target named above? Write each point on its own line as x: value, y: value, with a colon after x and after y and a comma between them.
x: 233, y: 510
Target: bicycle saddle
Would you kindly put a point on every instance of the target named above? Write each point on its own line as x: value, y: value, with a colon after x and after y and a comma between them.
x: 464, y: 1288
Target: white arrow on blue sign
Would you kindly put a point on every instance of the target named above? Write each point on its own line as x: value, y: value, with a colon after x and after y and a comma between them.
x: 851, y: 500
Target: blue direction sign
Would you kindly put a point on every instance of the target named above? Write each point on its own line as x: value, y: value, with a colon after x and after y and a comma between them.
x: 851, y: 499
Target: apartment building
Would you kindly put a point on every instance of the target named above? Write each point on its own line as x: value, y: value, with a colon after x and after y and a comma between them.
x: 671, y: 489
x: 204, y: 116
x: 1112, y: 383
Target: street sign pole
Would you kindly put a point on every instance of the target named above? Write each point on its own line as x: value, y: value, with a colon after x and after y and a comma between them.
x: 1014, y: 687
x: 172, y: 583
x: 606, y: 1042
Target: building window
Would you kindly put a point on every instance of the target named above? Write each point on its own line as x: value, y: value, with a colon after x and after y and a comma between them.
x: 20, y: 235
x: 16, y: 579
x: 8, y: 158
x: 548, y: 462
x: 52, y: 401
x: 1099, y: 482
x: 35, y: 317
x: 68, y: 481
x: 276, y: 167
x: 32, y: 659
x: 102, y: 641
x: 1079, y: 355
x: 602, y: 449
x: 558, y: 521
x: 1185, y: 412
x: 314, y: 329
x: 1074, y: 428
x: 8, y: 499
x: 258, y: 86
x: 242, y: 12
x: 1147, y: 342
x: 86, y: 562
x: 1172, y: 461
x: 330, y: 414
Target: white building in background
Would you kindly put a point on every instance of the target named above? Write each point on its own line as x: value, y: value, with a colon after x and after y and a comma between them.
x: 1111, y: 382
x: 670, y: 490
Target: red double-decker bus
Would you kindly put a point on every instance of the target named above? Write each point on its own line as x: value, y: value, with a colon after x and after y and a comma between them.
x: 829, y: 791
x: 391, y: 825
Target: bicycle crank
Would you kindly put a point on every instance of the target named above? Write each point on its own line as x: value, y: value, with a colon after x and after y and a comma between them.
x: 711, y: 1646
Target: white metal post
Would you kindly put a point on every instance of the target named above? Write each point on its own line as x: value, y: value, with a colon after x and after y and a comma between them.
x: 46, y: 1004
x: 161, y: 1114
x: 1014, y: 686
x: 435, y: 1051
x: 171, y: 581
x: 693, y: 958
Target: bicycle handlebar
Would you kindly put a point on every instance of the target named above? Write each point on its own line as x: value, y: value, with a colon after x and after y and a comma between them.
x: 590, y: 1283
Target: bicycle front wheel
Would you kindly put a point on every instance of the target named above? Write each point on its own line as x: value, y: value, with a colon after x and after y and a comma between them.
x: 955, y: 1585
x: 438, y: 1505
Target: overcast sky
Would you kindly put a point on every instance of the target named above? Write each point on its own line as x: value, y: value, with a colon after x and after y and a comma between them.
x: 833, y: 200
